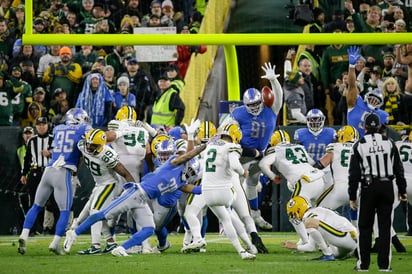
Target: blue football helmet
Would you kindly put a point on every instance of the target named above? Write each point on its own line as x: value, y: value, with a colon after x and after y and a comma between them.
x: 166, y: 149
x: 191, y: 171
x: 374, y: 99
x: 76, y: 116
x: 252, y: 99
x: 315, y: 121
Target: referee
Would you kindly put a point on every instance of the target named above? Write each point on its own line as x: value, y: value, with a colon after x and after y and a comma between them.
x: 37, y: 157
x: 374, y: 164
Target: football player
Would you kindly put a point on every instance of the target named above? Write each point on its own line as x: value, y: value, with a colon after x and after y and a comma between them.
x: 359, y: 108
x: 295, y: 164
x: 257, y: 122
x: 104, y: 165
x: 222, y: 160
x: 315, y: 137
x: 172, y: 175
x: 57, y: 176
x: 337, y: 157
x: 333, y: 234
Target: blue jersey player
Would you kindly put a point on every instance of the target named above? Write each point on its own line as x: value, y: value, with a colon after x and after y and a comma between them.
x: 315, y: 137
x: 257, y: 123
x: 58, y: 175
x: 359, y: 108
x: 170, y: 176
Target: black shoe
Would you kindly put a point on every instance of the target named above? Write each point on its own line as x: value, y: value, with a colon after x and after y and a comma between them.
x: 257, y: 241
x: 400, y: 248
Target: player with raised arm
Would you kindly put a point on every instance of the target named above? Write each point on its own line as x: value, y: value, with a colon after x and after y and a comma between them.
x: 359, y: 108
x: 257, y: 123
x: 333, y: 234
x: 57, y: 176
x: 172, y: 175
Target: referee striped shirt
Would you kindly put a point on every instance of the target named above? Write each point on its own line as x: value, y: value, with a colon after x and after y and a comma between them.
x: 377, y: 156
x: 34, y: 157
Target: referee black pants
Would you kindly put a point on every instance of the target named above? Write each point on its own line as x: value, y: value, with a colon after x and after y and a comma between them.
x: 376, y: 198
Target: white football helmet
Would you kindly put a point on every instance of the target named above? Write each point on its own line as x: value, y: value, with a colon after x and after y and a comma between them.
x: 252, y: 98
x: 76, y: 116
x: 374, y: 99
x: 315, y: 121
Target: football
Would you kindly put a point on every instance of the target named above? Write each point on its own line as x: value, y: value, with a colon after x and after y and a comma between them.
x: 268, y: 97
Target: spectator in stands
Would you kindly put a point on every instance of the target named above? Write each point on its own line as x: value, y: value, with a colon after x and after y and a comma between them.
x: 155, y: 8
x: 109, y: 78
x: 59, y: 95
x: 400, y: 25
x: 404, y: 56
x: 6, y: 108
x: 99, y: 16
x: 39, y: 95
x: 59, y: 117
x: 86, y: 57
x: 168, y: 108
x: 375, y: 80
x: 52, y: 57
x: 350, y: 26
x: 176, y: 81
x: 39, y: 26
x: 392, y: 101
x: 127, y: 24
x: 29, y: 74
x: 334, y: 63
x: 64, y: 74
x: 372, y: 21
x: 169, y: 13
x: 71, y: 22
x: 139, y: 86
x: 7, y: 38
x: 86, y: 11
x: 123, y: 97
x: 33, y: 112
x: 131, y: 8
x: 24, y: 94
x: 96, y: 100
x: 295, y: 97
x: 5, y: 9
x: 16, y: 23
x: 338, y: 96
x: 388, y: 61
x: 305, y: 67
x: 115, y: 59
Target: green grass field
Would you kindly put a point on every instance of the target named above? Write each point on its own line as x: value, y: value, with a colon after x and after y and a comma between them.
x: 220, y: 257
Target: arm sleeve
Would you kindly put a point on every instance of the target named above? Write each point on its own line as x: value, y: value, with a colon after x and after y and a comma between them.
x: 278, y: 91
x: 27, y: 160
x: 265, y: 165
x: 235, y: 163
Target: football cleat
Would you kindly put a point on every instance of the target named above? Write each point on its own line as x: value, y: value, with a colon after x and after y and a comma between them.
x: 137, y: 249
x: 194, y: 246
x: 119, y: 252
x: 92, y: 250
x: 109, y: 247
x: 246, y: 255
x: 325, y: 258
x: 252, y: 250
x: 163, y: 248
x: 257, y: 241
x: 22, y: 246
x: 69, y: 241
x: 259, y: 221
x: 56, y: 249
